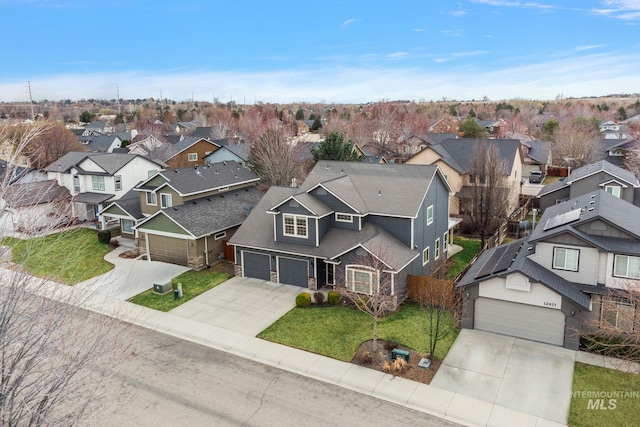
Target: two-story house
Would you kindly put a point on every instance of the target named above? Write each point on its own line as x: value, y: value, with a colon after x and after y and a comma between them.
x: 185, y: 216
x: 94, y: 179
x: 317, y: 235
x: 454, y: 156
x: 600, y: 175
x: 189, y: 151
x: 558, y: 283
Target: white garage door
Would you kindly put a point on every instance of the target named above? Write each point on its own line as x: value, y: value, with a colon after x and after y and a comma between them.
x: 519, y: 320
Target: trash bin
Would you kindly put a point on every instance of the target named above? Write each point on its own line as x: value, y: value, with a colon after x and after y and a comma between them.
x: 176, y: 294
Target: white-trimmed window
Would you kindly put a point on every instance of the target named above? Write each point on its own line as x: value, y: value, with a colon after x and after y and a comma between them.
x: 614, y: 190
x: 97, y: 182
x: 152, y: 199
x: 165, y: 200
x: 429, y: 215
x: 76, y: 183
x: 151, y: 172
x: 565, y: 259
x: 127, y: 226
x: 330, y: 274
x: 295, y: 225
x: 437, y: 248
x: 426, y: 253
x: 445, y: 241
x: 626, y: 266
x: 617, y: 313
x: 192, y: 157
x: 118, y: 182
x: 220, y: 235
x: 362, y: 279
x: 340, y: 217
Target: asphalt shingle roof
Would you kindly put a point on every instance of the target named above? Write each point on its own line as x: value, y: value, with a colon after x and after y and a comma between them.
x: 458, y: 152
x: 34, y: 193
x: 109, y: 162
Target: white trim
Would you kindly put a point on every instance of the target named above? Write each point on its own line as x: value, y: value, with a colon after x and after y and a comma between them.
x: 297, y: 201
x: 437, y: 248
x: 117, y: 179
x: 326, y: 273
x: 190, y: 157
x: 613, y: 192
x: 334, y: 195
x: 428, y: 252
x: 162, y: 198
x: 412, y: 233
x: 147, y: 198
x: 429, y: 221
x: 295, y: 226
x: 337, y: 219
x: 366, y: 270
x: 598, y: 171
x: 603, y: 184
x: 317, y: 233
x: 294, y: 259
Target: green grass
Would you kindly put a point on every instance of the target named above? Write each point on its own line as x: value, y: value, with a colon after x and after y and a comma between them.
x: 588, y: 378
x: 193, y: 284
x: 470, y: 248
x: 337, y: 332
x: 550, y: 179
x: 69, y: 257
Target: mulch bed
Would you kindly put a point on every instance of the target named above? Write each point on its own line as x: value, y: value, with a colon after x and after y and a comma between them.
x: 133, y: 253
x: 365, y: 356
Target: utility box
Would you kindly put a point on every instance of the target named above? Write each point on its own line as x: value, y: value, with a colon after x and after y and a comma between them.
x: 161, y: 289
x: 396, y: 352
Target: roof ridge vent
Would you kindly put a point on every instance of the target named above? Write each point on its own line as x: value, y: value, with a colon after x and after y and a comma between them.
x: 590, y: 209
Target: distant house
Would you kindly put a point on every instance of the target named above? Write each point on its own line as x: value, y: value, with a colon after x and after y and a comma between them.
x: 454, y: 157
x: 321, y: 234
x: 35, y: 206
x: 101, y: 143
x: 600, y: 175
x: 615, y: 151
x: 189, y: 151
x: 416, y: 143
x: 612, y: 130
x: 94, y: 179
x: 231, y: 152
x: 493, y: 127
x: 567, y: 279
x: 536, y: 156
x: 98, y: 127
x: 185, y: 216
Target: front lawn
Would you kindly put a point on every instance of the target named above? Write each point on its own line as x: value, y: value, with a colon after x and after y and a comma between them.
x: 68, y: 257
x: 193, y: 284
x: 594, y: 404
x: 461, y: 260
x: 337, y: 332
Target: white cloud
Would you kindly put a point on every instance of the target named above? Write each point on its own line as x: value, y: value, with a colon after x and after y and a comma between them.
x: 589, y: 47
x: 396, y: 55
x: 419, y: 30
x: 453, y: 33
x: 347, y: 22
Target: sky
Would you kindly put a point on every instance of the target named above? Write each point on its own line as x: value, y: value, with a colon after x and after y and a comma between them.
x: 331, y: 51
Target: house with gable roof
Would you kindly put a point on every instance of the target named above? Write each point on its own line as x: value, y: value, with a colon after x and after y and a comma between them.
x: 189, y: 151
x: 567, y: 278
x: 600, y: 175
x: 318, y: 234
x: 185, y: 216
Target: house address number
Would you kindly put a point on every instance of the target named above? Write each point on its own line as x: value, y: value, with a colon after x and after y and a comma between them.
x: 550, y: 304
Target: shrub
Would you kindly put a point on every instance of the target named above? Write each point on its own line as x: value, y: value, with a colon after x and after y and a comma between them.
x: 394, y: 367
x: 364, y: 358
x: 334, y: 297
x: 303, y: 299
x: 318, y: 297
x: 104, y: 236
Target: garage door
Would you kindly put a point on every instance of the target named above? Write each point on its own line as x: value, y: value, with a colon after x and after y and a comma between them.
x: 168, y: 249
x: 520, y: 320
x: 293, y: 272
x: 256, y: 265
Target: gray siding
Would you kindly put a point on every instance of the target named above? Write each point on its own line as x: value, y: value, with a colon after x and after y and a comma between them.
x: 400, y: 228
x: 310, y: 240
x: 324, y: 224
x: 331, y: 201
x: 550, y: 199
x: 598, y: 227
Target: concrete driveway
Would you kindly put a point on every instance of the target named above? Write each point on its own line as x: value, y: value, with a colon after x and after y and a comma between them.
x: 129, y: 277
x: 242, y: 305
x: 526, y: 376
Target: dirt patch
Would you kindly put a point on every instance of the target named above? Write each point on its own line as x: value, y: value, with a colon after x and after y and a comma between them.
x: 368, y: 358
x: 133, y: 253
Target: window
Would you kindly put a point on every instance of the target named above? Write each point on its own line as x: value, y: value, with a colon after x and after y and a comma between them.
x: 472, y: 179
x: 617, y: 313
x: 118, y: 182
x: 344, y: 217
x: 330, y: 274
x: 429, y: 215
x: 192, y: 157
x: 437, y: 248
x: 445, y: 242
x: 152, y: 199
x: 614, y: 190
x: 151, y: 172
x: 97, y: 183
x: 360, y: 279
x: 127, y: 226
x: 626, y: 266
x: 220, y: 235
x: 425, y: 255
x: 165, y: 200
x: 295, y: 225
x: 76, y: 184
x: 565, y: 259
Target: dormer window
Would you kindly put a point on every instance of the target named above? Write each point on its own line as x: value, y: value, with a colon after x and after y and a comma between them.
x: 295, y: 225
x: 614, y: 190
x: 344, y: 217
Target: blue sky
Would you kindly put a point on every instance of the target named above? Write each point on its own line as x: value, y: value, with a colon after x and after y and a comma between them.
x: 329, y: 50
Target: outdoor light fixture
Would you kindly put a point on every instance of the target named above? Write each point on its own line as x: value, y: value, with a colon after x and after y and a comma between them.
x: 467, y: 294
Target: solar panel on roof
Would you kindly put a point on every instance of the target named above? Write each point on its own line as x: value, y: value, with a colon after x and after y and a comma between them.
x: 507, y: 258
x: 562, y: 219
x: 571, y: 216
x: 487, y: 268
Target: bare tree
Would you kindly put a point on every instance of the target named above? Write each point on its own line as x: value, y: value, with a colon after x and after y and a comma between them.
x: 576, y: 142
x: 53, y: 359
x: 52, y: 143
x: 273, y: 158
x: 367, y: 285
x: 483, y: 198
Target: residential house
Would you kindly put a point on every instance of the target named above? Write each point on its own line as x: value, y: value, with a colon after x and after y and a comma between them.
x: 187, y: 215
x: 98, y: 127
x: 612, y: 130
x: 94, y: 179
x: 416, y: 143
x: 126, y: 210
x: 615, y: 151
x: 493, y: 127
x: 189, y: 151
x: 454, y: 157
x: 566, y: 279
x: 230, y: 152
x: 350, y: 224
x: 101, y: 143
x: 536, y: 156
x: 33, y: 206
x: 600, y: 175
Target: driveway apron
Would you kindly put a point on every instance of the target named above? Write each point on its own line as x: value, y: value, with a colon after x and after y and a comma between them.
x: 523, y: 375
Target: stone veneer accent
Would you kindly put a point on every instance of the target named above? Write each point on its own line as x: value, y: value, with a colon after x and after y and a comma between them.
x: 237, y: 269
x: 274, y: 276
x: 312, y: 284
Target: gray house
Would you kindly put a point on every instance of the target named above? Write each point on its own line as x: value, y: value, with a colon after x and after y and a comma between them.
x: 600, y: 175
x: 350, y: 224
x: 566, y: 279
